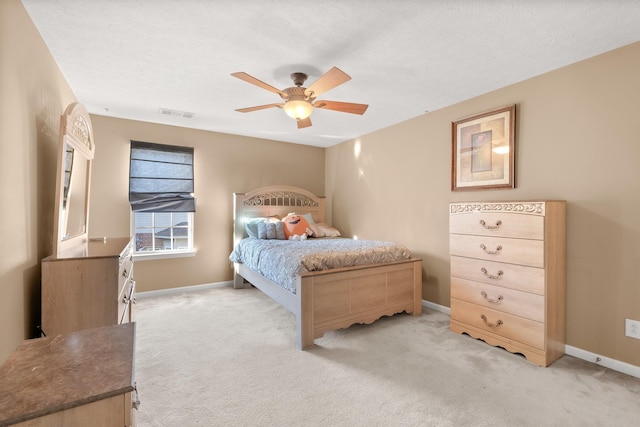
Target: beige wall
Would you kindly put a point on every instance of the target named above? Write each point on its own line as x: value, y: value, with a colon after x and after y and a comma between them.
x: 33, y: 95
x: 577, y: 139
x: 224, y: 164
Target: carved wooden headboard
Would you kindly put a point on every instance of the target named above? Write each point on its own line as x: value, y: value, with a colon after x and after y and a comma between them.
x: 277, y: 201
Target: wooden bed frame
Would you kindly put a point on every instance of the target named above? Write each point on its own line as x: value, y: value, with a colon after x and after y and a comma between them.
x: 330, y: 299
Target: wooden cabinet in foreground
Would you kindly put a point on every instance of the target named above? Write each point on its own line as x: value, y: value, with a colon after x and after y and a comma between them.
x: 508, y: 275
x: 80, y: 379
x: 89, y: 287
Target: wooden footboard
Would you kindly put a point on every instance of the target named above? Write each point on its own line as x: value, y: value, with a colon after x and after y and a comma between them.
x: 335, y: 299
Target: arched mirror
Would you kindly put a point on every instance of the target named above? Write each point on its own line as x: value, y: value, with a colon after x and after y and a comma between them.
x: 75, y: 154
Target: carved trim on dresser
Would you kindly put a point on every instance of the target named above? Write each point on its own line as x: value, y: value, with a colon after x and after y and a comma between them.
x: 531, y: 208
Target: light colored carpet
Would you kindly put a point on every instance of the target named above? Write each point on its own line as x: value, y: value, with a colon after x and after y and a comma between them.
x: 225, y: 357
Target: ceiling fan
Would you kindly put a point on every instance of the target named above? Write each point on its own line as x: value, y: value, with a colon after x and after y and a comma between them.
x: 299, y: 101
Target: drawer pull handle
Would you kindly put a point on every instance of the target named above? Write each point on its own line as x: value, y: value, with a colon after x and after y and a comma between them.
x: 491, y: 227
x: 491, y: 325
x: 484, y: 248
x: 492, y: 301
x: 491, y: 276
x: 136, y: 403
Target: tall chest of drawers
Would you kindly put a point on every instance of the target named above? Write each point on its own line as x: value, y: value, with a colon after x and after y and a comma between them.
x: 88, y: 289
x: 508, y: 275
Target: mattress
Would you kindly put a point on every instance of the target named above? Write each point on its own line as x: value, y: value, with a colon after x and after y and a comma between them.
x: 281, y: 260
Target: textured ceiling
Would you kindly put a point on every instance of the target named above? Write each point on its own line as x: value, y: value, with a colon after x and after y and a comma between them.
x: 132, y: 58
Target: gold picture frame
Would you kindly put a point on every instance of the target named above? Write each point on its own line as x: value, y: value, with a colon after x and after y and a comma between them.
x: 483, y: 150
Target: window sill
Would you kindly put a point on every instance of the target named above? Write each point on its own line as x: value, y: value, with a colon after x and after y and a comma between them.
x: 141, y: 256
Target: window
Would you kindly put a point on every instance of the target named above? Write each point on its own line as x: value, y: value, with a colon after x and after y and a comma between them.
x: 163, y: 231
x: 161, y: 198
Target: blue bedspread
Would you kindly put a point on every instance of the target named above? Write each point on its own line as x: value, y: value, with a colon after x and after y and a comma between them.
x: 280, y: 260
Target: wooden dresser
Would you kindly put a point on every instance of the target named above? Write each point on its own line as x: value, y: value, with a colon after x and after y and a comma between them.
x: 508, y: 275
x: 89, y: 287
x: 84, y: 378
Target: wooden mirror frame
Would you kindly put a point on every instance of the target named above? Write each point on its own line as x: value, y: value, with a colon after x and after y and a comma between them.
x: 77, y: 134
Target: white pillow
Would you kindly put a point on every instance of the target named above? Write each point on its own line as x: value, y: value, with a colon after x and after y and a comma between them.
x: 327, y: 230
x: 320, y: 229
x: 316, y: 230
x: 308, y: 217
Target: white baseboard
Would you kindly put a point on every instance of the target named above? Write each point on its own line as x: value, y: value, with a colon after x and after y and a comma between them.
x: 436, y: 307
x: 607, y: 362
x: 181, y: 290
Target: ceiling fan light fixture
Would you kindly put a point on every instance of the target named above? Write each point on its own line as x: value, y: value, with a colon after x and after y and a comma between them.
x: 299, y: 101
x: 298, y: 109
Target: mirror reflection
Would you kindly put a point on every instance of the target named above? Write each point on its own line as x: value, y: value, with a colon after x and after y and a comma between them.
x: 68, y: 167
x: 74, y: 215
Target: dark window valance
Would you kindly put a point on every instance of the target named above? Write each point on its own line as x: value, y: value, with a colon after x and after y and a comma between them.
x: 161, y: 178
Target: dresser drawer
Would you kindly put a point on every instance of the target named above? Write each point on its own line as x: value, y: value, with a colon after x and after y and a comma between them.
x: 498, y: 224
x: 506, y: 325
x: 126, y: 267
x: 524, y: 304
x: 125, y: 274
x: 499, y: 249
x: 125, y: 313
x: 519, y: 277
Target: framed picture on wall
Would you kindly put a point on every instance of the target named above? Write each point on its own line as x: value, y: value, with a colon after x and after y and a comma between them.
x: 483, y: 150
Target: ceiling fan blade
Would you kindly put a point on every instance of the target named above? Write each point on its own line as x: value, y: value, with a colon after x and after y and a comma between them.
x: 327, y: 81
x: 259, y: 107
x: 304, y: 123
x: 250, y: 79
x: 345, y: 107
